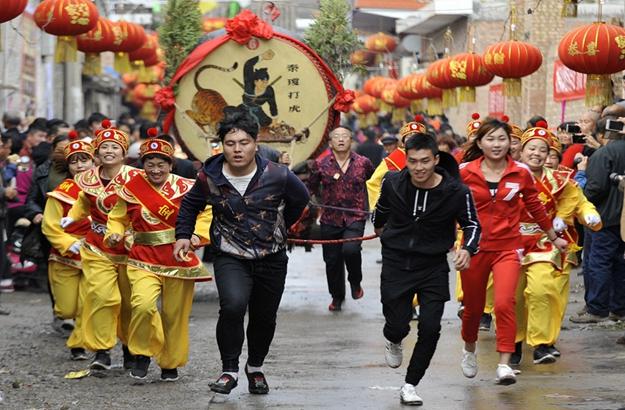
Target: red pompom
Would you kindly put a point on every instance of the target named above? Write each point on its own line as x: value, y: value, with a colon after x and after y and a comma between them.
x: 475, y: 116
x: 505, y: 118
x: 152, y: 132
x: 106, y: 123
x: 72, y: 135
x: 419, y: 118
x: 542, y: 124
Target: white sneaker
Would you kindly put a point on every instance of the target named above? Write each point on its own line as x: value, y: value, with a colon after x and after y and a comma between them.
x: 505, y: 375
x: 469, y: 364
x: 408, y: 395
x: 393, y: 354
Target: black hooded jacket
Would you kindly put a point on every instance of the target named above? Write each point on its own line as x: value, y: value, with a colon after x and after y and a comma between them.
x: 433, y: 231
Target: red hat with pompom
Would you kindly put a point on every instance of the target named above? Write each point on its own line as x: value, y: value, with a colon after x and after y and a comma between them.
x: 416, y: 126
x: 539, y: 132
x: 473, y: 125
x: 110, y: 133
x: 155, y: 145
x: 77, y: 145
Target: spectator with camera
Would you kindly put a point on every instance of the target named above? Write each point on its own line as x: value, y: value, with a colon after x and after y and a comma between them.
x: 605, y: 267
x: 583, y: 137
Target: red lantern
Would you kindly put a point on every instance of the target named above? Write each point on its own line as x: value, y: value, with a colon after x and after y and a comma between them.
x: 407, y: 87
x: 363, y: 57
x: 66, y: 19
x: 391, y: 97
x: 381, y: 43
x: 512, y: 60
x: 128, y: 37
x: 439, y: 75
x: 94, y: 42
x: 213, y: 23
x: 469, y: 72
x: 598, y: 50
x: 143, y: 57
x: 11, y: 9
x: 433, y: 95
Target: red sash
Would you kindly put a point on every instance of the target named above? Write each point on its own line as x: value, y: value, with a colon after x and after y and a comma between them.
x: 396, y: 160
x: 153, y: 200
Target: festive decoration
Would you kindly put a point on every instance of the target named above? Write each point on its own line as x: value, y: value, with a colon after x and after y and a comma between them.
x: 144, y: 56
x: 165, y: 98
x: 597, y: 49
x: 363, y: 57
x: 512, y: 60
x: 439, y: 75
x: 180, y: 32
x: 246, y: 26
x: 433, y: 95
x: 128, y: 38
x: 66, y: 19
x: 407, y: 87
x: 332, y: 37
x: 468, y: 71
x: 94, y: 42
x: 11, y: 9
x: 344, y: 100
x: 381, y: 43
x: 473, y: 125
x: 298, y: 97
x: 213, y: 23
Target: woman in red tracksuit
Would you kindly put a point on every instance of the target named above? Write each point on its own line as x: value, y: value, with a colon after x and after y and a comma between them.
x: 502, y: 189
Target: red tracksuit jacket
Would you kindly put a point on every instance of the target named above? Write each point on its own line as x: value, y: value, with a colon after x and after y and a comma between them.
x: 500, y: 215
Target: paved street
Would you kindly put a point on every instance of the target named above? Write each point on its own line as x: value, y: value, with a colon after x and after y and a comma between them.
x: 319, y: 360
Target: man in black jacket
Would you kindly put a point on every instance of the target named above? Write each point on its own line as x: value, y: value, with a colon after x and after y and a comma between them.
x: 254, y: 202
x: 605, y: 266
x: 416, y: 217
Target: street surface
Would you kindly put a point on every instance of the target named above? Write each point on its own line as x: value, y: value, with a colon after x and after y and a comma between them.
x: 319, y: 359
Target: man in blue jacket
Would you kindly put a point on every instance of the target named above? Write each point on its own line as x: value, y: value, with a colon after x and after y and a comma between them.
x: 254, y: 203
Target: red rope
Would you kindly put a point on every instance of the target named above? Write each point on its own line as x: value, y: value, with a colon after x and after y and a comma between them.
x: 329, y: 241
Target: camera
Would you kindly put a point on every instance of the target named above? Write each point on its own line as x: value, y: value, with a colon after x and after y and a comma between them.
x: 579, y: 139
x: 613, y: 125
x: 573, y: 129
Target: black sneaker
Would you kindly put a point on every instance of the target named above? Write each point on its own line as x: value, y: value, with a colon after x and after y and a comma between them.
x: 542, y: 355
x: 256, y: 382
x: 554, y: 351
x: 101, y: 361
x: 140, y: 371
x: 224, y: 384
x: 169, y: 375
x: 129, y: 358
x: 485, y: 322
x: 78, y: 353
x: 515, y: 358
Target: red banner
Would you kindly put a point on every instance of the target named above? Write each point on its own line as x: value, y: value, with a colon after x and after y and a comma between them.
x: 496, y: 100
x: 567, y: 84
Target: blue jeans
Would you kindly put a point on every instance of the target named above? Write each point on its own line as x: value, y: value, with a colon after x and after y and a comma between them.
x: 605, y: 291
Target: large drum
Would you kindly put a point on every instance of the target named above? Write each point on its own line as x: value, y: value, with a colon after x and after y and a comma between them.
x: 281, y: 81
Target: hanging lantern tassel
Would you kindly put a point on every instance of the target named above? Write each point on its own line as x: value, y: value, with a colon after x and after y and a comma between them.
x: 569, y: 8
x: 92, y: 66
x: 385, y: 107
x: 372, y: 119
x: 416, y: 106
x: 466, y: 94
x: 598, y: 90
x: 435, y: 106
x: 450, y: 97
x: 399, y: 115
x: 66, y: 49
x: 512, y: 87
x: 122, y: 63
x: 362, y: 119
x: 143, y: 75
x: 148, y: 111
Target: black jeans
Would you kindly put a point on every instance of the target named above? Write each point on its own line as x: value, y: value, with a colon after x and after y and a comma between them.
x: 337, y: 257
x: 430, y: 281
x: 253, y: 285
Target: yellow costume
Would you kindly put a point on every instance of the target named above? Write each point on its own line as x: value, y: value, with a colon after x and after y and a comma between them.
x: 150, y: 213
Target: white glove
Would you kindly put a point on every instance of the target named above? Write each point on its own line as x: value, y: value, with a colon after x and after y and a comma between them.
x: 558, y: 224
x: 66, y: 221
x: 592, y: 219
x: 75, y: 248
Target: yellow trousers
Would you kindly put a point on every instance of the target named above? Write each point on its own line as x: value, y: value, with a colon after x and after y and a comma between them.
x: 163, y: 335
x: 490, y: 298
x: 538, y: 305
x: 106, y: 309
x: 562, y: 285
x: 66, y: 285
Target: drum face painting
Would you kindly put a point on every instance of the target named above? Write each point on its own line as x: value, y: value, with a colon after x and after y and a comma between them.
x: 280, y: 82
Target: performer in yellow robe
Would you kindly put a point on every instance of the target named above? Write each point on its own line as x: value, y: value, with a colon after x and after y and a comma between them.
x: 539, y: 310
x: 106, y: 308
x: 148, y: 205
x: 64, y: 265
